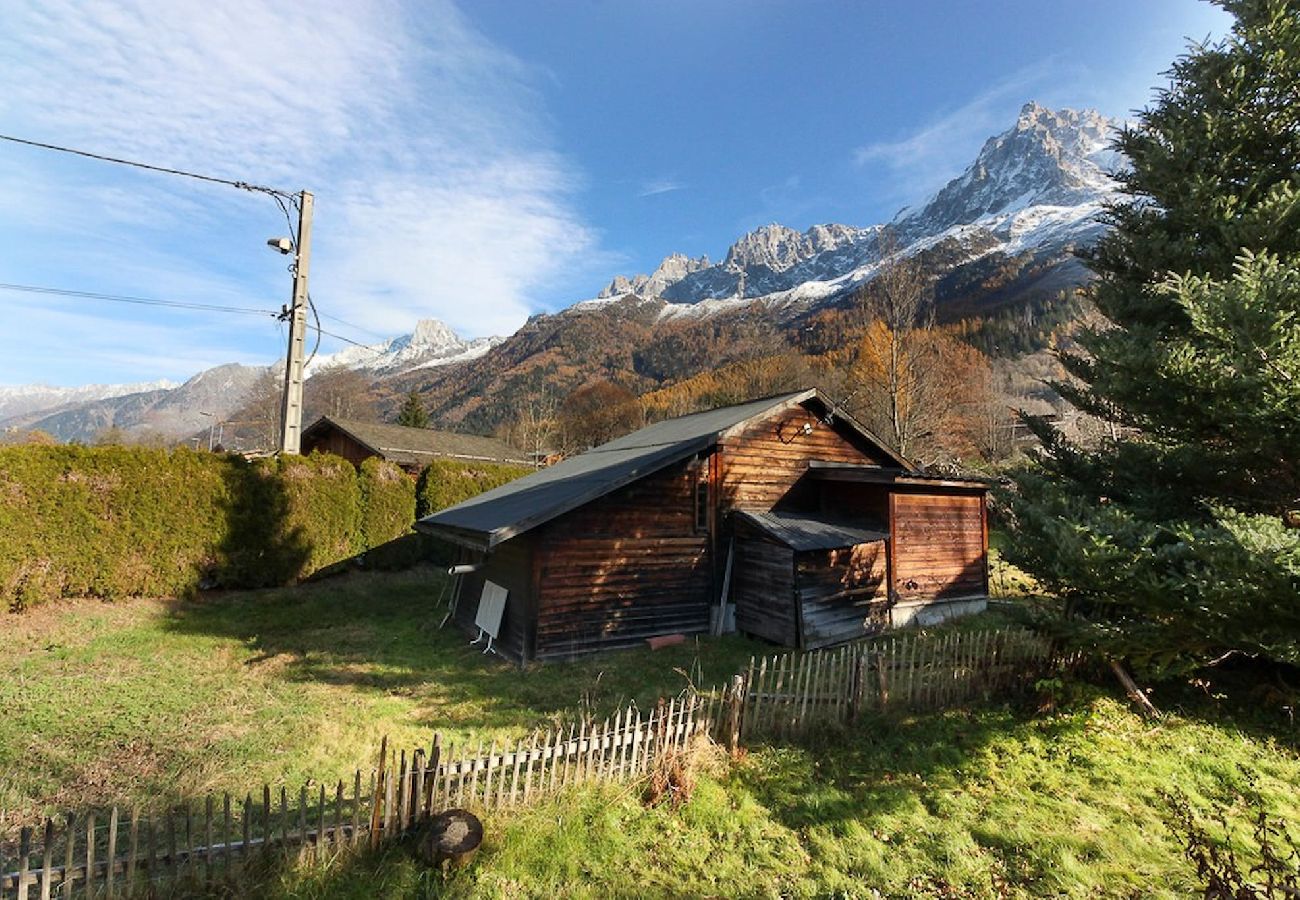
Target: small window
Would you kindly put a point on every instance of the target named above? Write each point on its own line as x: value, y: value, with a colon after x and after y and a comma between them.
x: 702, y: 504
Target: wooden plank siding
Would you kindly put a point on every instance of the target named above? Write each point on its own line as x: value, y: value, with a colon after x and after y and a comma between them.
x: 509, y: 565
x: 940, y: 548
x: 625, y: 567
x: 760, y: 465
x: 763, y: 588
x: 843, y: 594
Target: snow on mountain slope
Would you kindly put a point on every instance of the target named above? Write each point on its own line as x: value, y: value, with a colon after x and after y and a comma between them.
x: 1039, y: 186
x: 27, y: 399
x: 431, y: 344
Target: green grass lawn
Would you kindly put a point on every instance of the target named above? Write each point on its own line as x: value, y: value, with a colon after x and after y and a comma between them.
x: 152, y: 702
x: 155, y: 702
x: 990, y: 803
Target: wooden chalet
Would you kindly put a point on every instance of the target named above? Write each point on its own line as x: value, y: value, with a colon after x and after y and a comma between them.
x: 410, y: 448
x: 783, y: 511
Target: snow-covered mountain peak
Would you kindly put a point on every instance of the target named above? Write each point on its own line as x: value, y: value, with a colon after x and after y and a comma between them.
x: 1048, y: 158
x: 431, y: 343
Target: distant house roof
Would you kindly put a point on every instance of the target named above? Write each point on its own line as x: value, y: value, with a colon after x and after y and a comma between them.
x: 802, y: 533
x: 498, y: 515
x: 418, y: 446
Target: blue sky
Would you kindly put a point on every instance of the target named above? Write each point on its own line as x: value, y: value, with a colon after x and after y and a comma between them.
x: 481, y: 162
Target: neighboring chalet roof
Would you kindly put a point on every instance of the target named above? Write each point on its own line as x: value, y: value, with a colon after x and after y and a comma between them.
x: 801, y: 533
x: 498, y: 515
x: 418, y: 446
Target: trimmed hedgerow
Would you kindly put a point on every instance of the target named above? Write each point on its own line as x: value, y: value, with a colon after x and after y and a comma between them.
x: 387, y: 502
x: 445, y: 483
x: 129, y: 521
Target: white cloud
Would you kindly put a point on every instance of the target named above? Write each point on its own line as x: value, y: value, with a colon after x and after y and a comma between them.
x: 658, y: 186
x: 438, y: 192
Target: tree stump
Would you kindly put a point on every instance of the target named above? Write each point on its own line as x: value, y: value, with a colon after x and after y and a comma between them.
x: 452, y: 838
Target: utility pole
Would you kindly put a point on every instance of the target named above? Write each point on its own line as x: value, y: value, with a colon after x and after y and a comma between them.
x: 291, y: 409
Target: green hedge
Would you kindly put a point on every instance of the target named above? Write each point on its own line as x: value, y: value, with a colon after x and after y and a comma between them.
x: 130, y: 521
x: 445, y: 483
x: 387, y: 502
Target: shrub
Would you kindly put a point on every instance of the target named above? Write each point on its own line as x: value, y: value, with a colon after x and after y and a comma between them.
x: 387, y: 502
x: 447, y: 482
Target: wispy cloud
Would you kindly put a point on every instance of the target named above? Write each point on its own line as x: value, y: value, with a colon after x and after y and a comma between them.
x: 917, y: 164
x: 439, y: 193
x: 660, y: 186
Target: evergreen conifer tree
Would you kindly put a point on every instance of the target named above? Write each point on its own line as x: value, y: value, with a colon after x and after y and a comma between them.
x: 1180, y: 529
x: 413, y: 414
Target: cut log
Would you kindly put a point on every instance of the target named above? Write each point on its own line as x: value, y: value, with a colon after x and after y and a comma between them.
x: 452, y: 838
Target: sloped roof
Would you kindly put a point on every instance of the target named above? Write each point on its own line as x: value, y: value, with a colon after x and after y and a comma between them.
x: 523, y: 504
x: 802, y: 533
x: 419, y: 446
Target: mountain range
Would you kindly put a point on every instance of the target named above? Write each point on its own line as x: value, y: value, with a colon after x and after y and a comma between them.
x: 998, y: 236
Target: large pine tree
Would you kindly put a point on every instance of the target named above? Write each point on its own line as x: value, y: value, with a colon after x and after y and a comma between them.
x: 1177, y: 531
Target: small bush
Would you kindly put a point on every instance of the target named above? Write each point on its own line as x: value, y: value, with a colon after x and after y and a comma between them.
x: 387, y: 503
x: 445, y: 483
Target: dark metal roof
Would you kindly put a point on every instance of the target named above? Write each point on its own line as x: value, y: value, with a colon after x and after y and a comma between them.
x: 500, y: 514
x: 418, y: 446
x: 837, y: 471
x: 801, y: 532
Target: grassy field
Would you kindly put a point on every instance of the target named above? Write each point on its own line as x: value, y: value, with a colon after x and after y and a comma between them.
x: 152, y: 702
x: 992, y: 803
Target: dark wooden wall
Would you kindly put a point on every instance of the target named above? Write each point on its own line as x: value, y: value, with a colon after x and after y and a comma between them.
x: 760, y: 466
x: 628, y: 566
x: 763, y: 588
x: 939, y: 545
x: 510, y: 565
x: 338, y: 443
x: 843, y: 594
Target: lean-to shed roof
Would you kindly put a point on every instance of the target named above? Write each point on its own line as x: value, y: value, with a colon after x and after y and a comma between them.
x: 804, y: 532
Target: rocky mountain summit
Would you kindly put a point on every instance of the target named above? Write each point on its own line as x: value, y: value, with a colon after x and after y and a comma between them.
x: 1038, y: 185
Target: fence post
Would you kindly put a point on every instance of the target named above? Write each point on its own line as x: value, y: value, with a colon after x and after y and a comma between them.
x: 855, y: 684
x: 734, y: 702
x: 883, y: 676
x: 24, y: 862
x: 375, y: 803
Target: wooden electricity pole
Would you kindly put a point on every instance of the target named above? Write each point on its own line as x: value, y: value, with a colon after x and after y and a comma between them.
x: 291, y: 409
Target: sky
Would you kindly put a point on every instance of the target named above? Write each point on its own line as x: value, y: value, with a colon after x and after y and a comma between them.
x: 482, y: 162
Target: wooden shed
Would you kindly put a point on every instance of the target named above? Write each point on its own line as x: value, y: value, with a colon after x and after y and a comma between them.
x: 782, y: 512
x: 410, y: 448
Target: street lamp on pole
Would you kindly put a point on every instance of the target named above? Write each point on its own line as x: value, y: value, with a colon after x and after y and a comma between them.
x: 211, y: 425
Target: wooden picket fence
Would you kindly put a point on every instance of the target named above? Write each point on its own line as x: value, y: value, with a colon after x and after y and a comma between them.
x: 785, y: 694
x: 125, y: 854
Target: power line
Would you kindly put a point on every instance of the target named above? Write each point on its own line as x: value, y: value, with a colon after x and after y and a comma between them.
x: 242, y: 185
x: 140, y: 301
x: 346, y: 340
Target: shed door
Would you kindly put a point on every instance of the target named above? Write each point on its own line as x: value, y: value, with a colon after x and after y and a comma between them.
x: 939, y: 548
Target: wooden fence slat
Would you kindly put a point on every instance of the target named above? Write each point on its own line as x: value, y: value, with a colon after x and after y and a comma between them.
x: 356, y: 808
x: 207, y: 838
x: 318, y: 844
x: 47, y: 858
x: 336, y: 836
x: 246, y: 829
x: 400, y: 823
x: 24, y: 862
x: 90, y: 854
x: 417, y: 806
x: 225, y: 833
x: 110, y: 885
x: 133, y: 849
x: 69, y: 853
x: 435, y: 760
